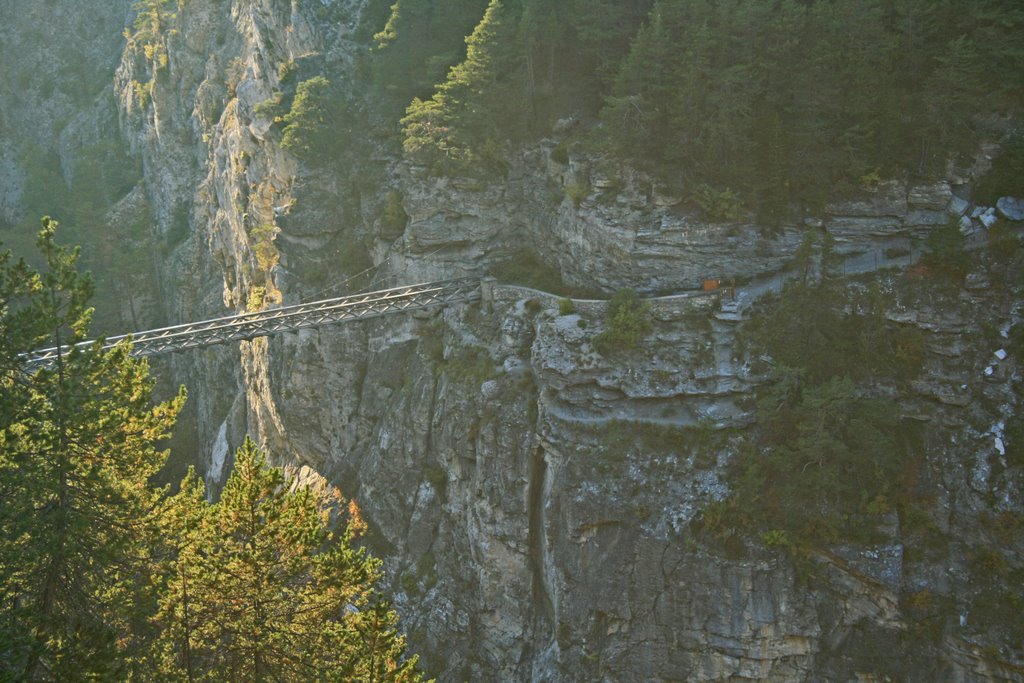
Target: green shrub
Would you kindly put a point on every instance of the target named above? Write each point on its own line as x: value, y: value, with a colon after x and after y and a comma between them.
x: 271, y: 108
x: 566, y: 307
x: 720, y: 205
x: 263, y: 246
x: 560, y: 154
x: 628, y: 322
x: 946, y: 253
x: 577, y: 191
x: 471, y: 365
x: 828, y: 331
x: 523, y: 268
x: 826, y: 459
x: 1006, y: 177
x: 286, y: 72
x: 777, y: 538
x: 393, y: 216
x: 310, y: 121
x: 257, y: 298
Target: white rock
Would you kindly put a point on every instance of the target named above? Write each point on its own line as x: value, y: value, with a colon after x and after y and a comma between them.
x: 988, y: 219
x: 1001, y: 354
x: 1000, y: 446
x: 490, y: 389
x: 958, y: 206
x: 978, y: 210
x: 1012, y: 208
x: 220, y: 453
x: 564, y: 125
x: 988, y: 371
x: 933, y: 197
x: 966, y: 225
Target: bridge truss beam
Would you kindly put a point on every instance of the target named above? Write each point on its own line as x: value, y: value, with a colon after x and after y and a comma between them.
x: 273, y: 321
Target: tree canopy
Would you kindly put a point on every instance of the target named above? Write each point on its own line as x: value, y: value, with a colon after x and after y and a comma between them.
x: 783, y: 104
x: 105, y: 576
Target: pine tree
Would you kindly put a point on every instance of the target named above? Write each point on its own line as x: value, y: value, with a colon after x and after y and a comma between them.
x: 309, y: 123
x: 183, y: 519
x: 421, y: 40
x: 77, y: 449
x: 261, y: 589
x: 472, y: 113
x: 603, y: 30
x: 638, y: 112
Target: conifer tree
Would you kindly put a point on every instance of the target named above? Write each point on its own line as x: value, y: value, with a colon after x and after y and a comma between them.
x: 472, y: 113
x: 602, y: 32
x: 421, y: 40
x: 77, y: 449
x: 169, y: 654
x: 307, y: 131
x: 261, y: 589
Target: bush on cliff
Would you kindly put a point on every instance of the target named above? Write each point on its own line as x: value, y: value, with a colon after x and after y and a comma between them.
x: 628, y: 322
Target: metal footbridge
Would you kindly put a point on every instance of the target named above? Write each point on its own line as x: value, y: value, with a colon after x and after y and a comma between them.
x: 284, y: 319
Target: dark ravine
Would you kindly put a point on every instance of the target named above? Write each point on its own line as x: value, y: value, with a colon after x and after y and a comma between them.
x: 543, y: 607
x: 525, y: 534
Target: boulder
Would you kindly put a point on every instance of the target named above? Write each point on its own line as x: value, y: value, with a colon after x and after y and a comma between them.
x: 958, y: 206
x: 1011, y: 208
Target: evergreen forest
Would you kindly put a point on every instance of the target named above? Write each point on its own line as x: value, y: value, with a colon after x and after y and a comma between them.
x: 776, y: 106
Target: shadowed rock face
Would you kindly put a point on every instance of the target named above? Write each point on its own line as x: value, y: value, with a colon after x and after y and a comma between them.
x: 532, y: 499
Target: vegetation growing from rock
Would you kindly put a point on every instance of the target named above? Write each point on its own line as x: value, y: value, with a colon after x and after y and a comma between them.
x: 1006, y: 178
x: 525, y: 269
x: 946, y: 254
x: 828, y: 456
x: 263, y: 247
x: 308, y: 123
x: 627, y: 322
x: 154, y: 21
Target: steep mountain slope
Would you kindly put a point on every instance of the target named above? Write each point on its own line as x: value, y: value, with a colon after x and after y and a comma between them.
x: 545, y: 510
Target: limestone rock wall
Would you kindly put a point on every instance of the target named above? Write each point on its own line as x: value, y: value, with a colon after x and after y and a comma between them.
x: 528, y: 531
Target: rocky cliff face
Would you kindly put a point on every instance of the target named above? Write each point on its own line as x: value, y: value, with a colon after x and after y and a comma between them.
x: 532, y: 499
x: 57, y: 92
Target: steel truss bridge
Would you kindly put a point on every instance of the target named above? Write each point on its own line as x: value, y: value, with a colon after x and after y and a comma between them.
x: 284, y: 319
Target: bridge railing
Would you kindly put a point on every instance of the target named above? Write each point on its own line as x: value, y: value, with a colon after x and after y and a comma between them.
x: 271, y: 321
